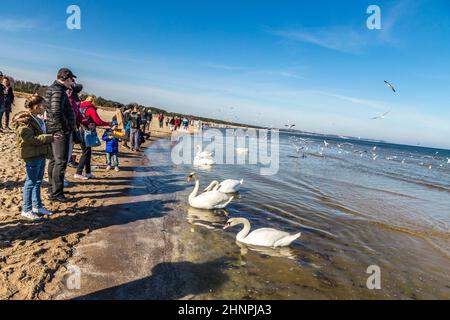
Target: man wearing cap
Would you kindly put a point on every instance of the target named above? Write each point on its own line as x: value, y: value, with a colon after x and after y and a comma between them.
x: 61, y: 119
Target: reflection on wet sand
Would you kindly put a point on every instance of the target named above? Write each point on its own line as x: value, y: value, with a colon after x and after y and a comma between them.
x: 210, y: 219
x: 281, y: 252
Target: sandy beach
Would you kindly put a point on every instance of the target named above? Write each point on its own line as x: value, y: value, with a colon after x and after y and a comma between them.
x: 34, y: 256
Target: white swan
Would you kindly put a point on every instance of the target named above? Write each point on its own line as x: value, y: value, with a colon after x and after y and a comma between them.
x: 208, y: 200
x: 203, y: 154
x: 264, y: 237
x: 226, y: 186
x: 203, y: 158
x: 198, y: 161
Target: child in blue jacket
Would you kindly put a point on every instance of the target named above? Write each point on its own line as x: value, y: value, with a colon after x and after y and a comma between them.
x: 112, y: 147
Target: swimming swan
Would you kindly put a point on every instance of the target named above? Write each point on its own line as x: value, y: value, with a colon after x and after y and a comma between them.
x: 226, y: 186
x: 207, y: 200
x: 203, y: 158
x: 264, y: 237
x: 203, y: 154
x: 198, y: 161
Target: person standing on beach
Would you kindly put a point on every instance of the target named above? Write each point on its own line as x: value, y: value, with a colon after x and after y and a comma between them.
x: 89, y: 111
x: 126, y: 122
x: 135, y: 126
x: 6, y: 102
x: 172, y: 124
x: 33, y: 146
x: 73, y: 94
x: 111, y: 147
x: 1, y: 97
x: 149, y: 118
x: 161, y: 120
x: 144, y: 120
x: 60, y: 121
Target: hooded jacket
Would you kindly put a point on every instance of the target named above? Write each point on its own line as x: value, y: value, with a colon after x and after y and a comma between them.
x: 112, y: 144
x: 88, y: 110
x: 31, y: 142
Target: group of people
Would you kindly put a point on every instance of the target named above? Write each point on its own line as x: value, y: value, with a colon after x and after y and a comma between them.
x: 137, y: 122
x: 174, y: 123
x: 48, y: 130
x: 52, y: 125
x: 6, y: 102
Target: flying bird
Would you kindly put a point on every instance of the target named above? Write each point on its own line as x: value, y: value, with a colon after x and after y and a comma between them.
x: 390, y: 86
x: 325, y: 143
x: 290, y: 126
x: 381, y: 116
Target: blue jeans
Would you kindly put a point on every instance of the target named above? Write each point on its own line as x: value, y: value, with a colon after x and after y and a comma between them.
x: 114, y: 157
x: 32, y: 187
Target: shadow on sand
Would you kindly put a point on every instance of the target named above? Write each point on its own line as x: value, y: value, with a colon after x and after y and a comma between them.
x: 95, y: 218
x: 168, y: 281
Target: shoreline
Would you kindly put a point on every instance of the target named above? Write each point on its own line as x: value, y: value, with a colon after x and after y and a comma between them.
x: 116, y: 253
x: 34, y: 256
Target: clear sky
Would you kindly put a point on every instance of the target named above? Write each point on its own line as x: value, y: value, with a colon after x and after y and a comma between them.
x: 312, y: 63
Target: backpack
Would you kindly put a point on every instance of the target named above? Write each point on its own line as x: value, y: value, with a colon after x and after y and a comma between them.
x: 83, y: 113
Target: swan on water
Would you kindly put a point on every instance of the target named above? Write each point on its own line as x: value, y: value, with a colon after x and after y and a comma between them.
x: 203, y: 154
x: 203, y: 158
x: 203, y: 161
x: 264, y: 237
x: 207, y: 200
x: 226, y: 186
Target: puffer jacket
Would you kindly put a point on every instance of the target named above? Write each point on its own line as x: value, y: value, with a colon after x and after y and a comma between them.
x: 112, y: 144
x: 31, y: 142
x: 60, y: 114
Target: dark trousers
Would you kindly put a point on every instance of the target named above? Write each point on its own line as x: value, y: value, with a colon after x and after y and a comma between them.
x: 85, y: 160
x: 57, y: 166
x: 6, y: 118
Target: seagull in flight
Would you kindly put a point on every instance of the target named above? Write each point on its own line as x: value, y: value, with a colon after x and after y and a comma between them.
x: 325, y: 143
x: 290, y: 126
x: 381, y: 116
x: 390, y: 86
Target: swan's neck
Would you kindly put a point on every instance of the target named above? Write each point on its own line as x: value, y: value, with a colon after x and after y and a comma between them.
x: 245, y: 231
x: 197, y: 186
x: 213, y: 186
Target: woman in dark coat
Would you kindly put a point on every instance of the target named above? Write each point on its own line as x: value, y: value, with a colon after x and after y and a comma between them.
x: 6, y: 102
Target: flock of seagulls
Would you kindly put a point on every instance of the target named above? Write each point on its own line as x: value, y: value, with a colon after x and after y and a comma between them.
x: 381, y: 116
x: 218, y: 196
x: 313, y: 147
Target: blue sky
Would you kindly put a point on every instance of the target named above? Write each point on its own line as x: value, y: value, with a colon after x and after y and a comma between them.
x: 314, y: 64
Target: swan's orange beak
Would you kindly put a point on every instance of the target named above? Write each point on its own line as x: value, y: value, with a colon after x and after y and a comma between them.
x: 189, y: 179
